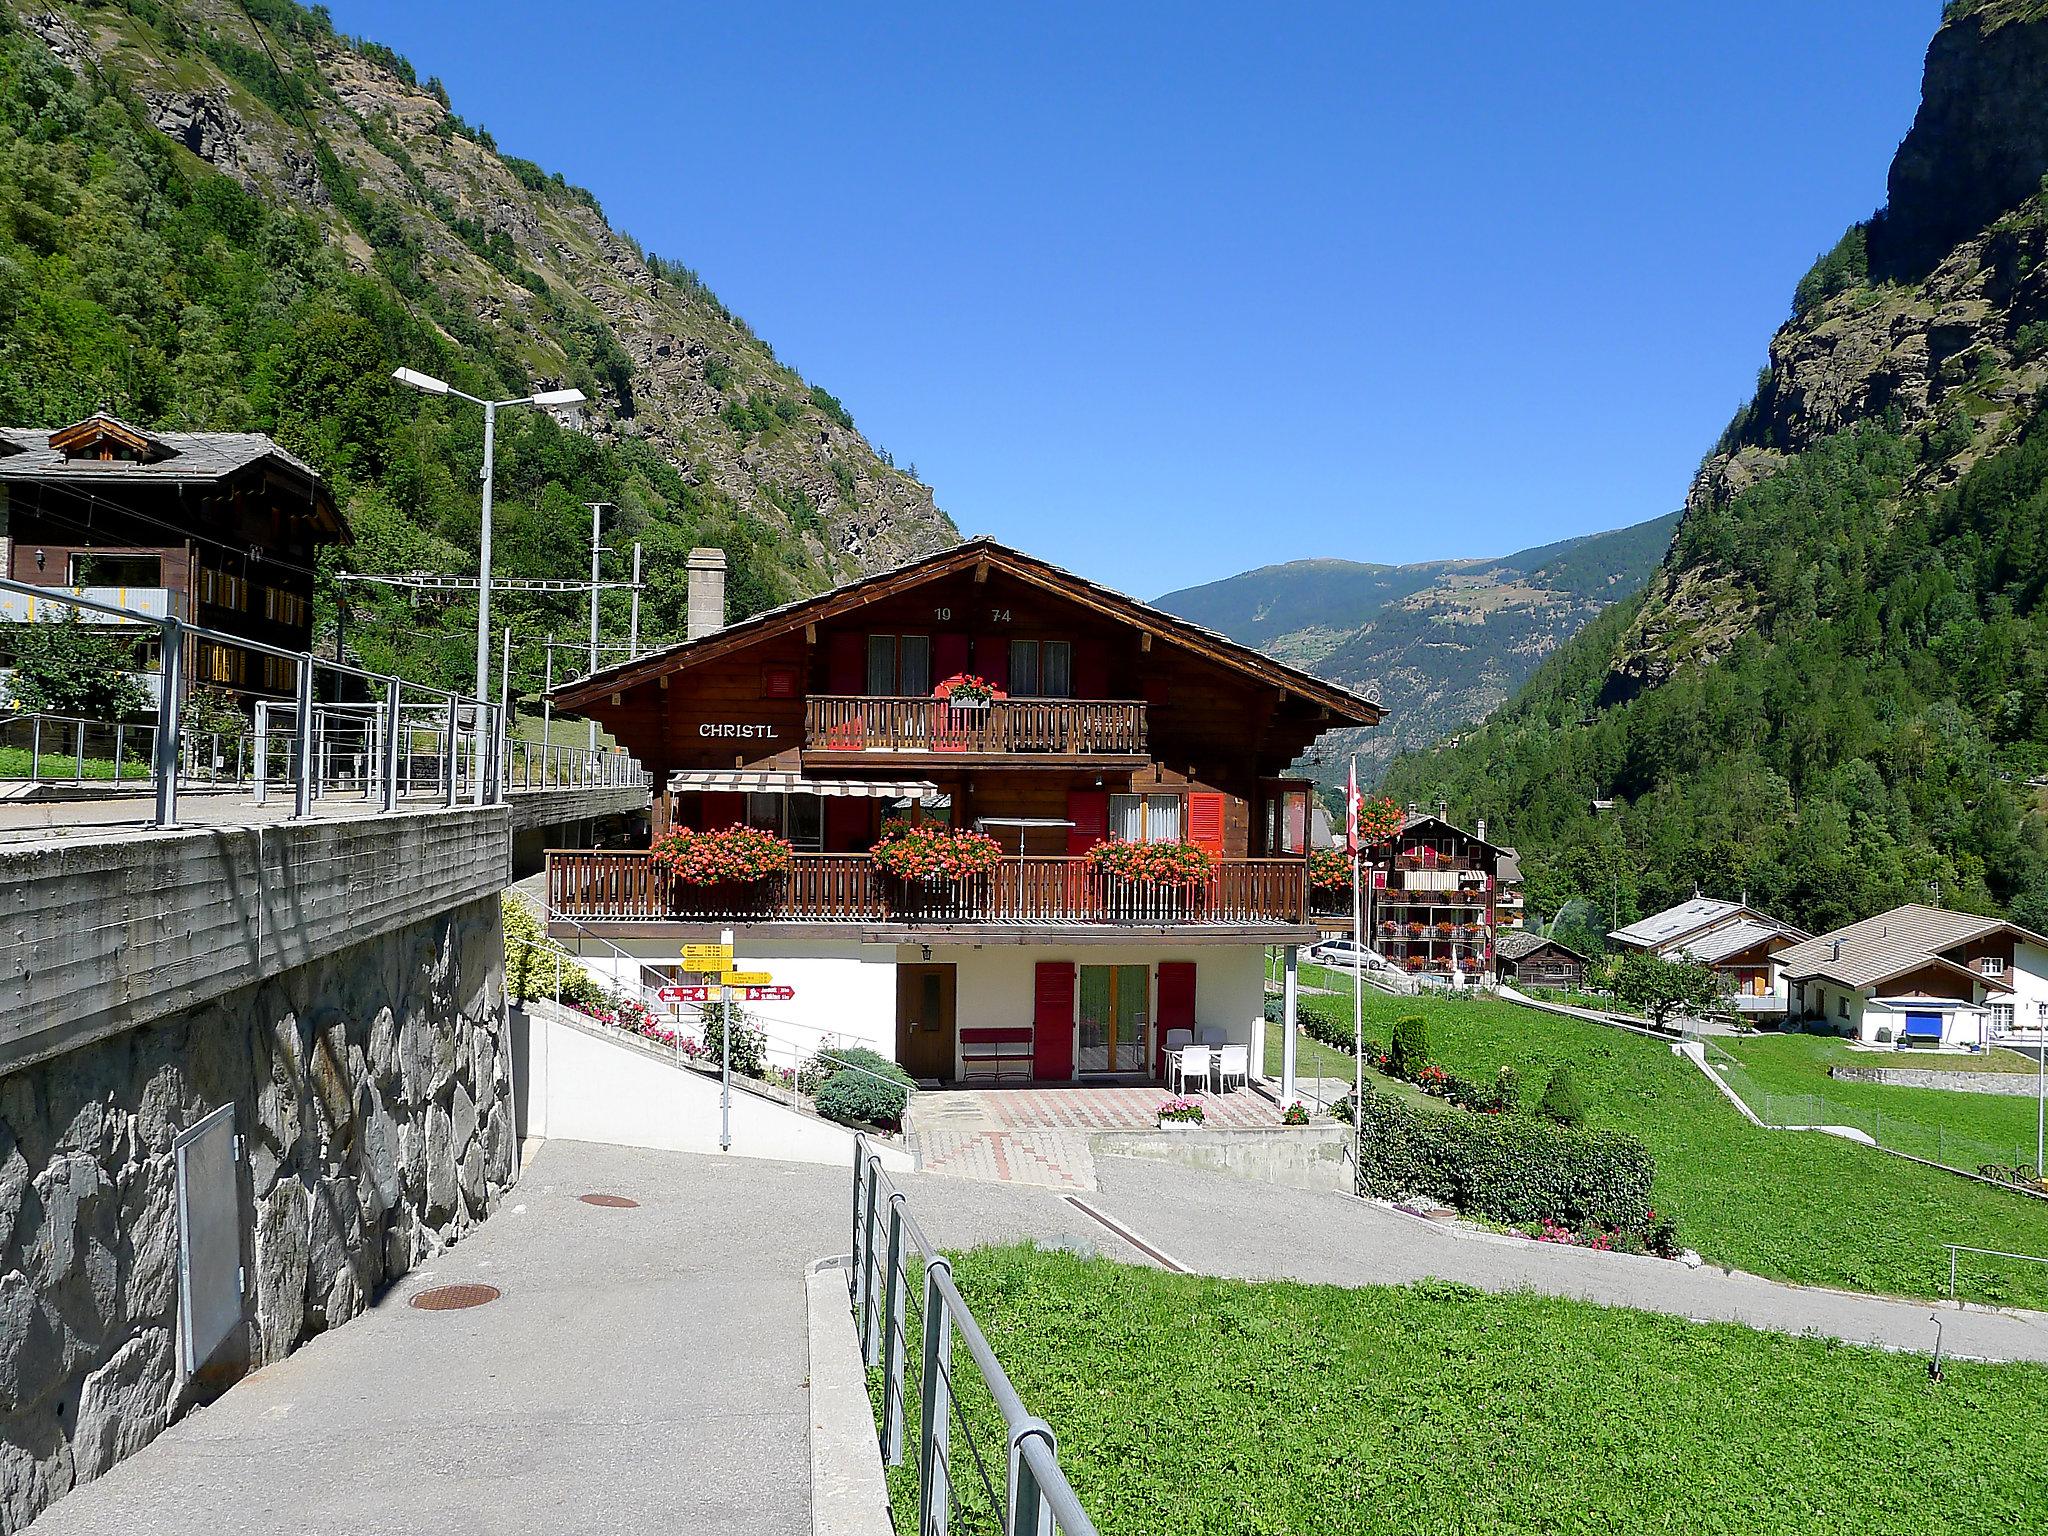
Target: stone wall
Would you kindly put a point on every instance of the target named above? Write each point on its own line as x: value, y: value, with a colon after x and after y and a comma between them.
x: 2012, y: 1084
x: 372, y: 1089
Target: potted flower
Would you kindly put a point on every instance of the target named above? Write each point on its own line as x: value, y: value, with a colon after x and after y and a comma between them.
x: 932, y: 852
x: 1296, y: 1113
x: 727, y: 856
x: 1176, y: 864
x: 1182, y: 1115
x: 1329, y: 869
x: 963, y: 690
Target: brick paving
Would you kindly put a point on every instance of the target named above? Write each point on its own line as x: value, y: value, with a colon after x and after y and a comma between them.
x: 1039, y: 1135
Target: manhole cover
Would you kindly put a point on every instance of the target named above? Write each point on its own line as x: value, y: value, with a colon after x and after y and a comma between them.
x: 448, y: 1298
x: 613, y: 1202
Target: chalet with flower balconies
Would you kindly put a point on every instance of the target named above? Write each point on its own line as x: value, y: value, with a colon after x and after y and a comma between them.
x: 1434, y: 906
x: 1130, y: 836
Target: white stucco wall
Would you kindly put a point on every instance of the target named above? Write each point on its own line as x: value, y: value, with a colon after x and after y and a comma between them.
x: 1961, y: 1023
x: 2028, y: 982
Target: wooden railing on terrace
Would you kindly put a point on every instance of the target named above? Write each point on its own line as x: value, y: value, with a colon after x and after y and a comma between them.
x: 613, y: 885
x: 1012, y: 727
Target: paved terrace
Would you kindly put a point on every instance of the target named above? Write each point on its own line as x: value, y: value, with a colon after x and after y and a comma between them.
x: 646, y: 1370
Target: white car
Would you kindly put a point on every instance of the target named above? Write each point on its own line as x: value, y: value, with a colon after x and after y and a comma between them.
x: 1339, y: 954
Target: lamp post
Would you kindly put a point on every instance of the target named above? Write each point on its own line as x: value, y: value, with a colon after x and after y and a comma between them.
x: 427, y: 384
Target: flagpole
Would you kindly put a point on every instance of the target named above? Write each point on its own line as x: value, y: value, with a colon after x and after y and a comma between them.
x: 1357, y: 972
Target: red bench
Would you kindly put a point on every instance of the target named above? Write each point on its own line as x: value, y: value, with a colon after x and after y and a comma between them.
x: 991, y: 1054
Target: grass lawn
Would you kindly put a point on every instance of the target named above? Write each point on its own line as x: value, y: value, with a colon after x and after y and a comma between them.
x: 1187, y: 1404
x: 1784, y: 1078
x: 1796, y: 1206
x: 57, y: 761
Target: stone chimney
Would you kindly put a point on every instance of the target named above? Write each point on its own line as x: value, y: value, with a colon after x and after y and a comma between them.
x: 1480, y: 830
x: 707, y: 593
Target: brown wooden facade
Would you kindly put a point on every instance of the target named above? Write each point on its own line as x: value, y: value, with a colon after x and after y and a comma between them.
x: 1108, y: 699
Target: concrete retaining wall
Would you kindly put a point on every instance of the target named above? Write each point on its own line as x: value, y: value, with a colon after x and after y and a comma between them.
x: 1298, y: 1156
x: 371, y: 1085
x: 2012, y: 1084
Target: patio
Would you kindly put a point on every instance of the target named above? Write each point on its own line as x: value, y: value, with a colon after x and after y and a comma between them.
x: 1039, y: 1135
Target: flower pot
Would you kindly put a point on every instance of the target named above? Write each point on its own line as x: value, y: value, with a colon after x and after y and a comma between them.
x: 958, y: 703
x: 1180, y: 1125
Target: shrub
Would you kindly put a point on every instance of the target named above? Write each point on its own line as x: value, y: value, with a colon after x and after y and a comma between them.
x: 857, y: 1086
x: 1511, y: 1168
x: 1410, y: 1051
x: 1562, y: 1100
x: 749, y: 1040
x: 1507, y: 1091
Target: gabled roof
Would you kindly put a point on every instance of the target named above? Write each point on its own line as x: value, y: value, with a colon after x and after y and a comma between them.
x: 1672, y: 923
x: 1349, y: 707
x: 1520, y: 943
x: 1414, y: 821
x: 1874, y: 951
x: 1717, y: 944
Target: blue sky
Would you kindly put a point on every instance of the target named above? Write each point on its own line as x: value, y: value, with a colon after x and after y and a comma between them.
x: 1167, y: 291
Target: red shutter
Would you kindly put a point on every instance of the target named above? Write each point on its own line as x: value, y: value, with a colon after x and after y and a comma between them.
x: 846, y: 663
x: 949, y: 656
x: 848, y: 822
x: 1176, y: 1003
x: 1205, y: 821
x: 1052, y: 1021
x: 723, y: 810
x: 992, y: 659
x: 1088, y: 810
x: 1091, y: 670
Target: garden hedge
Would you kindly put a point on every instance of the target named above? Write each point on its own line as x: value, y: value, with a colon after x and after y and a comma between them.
x: 857, y: 1086
x: 1512, y: 1168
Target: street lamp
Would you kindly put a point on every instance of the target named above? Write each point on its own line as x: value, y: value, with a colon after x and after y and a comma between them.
x: 426, y: 383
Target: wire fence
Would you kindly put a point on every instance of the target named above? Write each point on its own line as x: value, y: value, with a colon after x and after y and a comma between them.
x: 963, y: 1453
x: 1988, y: 1275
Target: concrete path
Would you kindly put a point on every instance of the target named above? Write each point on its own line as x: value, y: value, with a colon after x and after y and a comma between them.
x: 1217, y: 1225
x: 645, y: 1370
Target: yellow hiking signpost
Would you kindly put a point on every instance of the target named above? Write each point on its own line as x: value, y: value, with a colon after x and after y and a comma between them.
x: 747, y: 979
x: 709, y: 958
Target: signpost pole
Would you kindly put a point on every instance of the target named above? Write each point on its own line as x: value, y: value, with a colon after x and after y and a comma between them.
x: 725, y: 1053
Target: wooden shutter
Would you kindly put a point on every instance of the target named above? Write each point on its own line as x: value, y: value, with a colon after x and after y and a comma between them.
x: 1205, y: 821
x: 1052, y: 1021
x: 992, y: 659
x: 1088, y: 810
x: 846, y: 663
x: 1176, y: 1004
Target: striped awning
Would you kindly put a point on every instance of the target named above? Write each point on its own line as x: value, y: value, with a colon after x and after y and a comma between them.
x: 769, y: 781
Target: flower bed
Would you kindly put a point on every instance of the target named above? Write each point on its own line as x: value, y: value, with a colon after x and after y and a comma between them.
x: 932, y: 851
x: 728, y: 856
x: 1154, y: 863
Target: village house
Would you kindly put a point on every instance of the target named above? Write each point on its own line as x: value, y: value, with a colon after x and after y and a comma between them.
x: 834, y: 721
x: 1923, y: 976
x: 221, y: 529
x: 1434, y: 891
x: 1744, y: 946
x: 1526, y: 958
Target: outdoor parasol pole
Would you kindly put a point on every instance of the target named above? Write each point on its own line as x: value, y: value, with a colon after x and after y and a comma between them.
x: 1357, y: 964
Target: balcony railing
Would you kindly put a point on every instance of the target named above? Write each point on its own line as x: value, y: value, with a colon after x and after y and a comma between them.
x: 614, y: 885
x: 1005, y: 727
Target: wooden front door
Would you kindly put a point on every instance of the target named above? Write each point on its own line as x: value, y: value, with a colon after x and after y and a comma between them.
x: 924, y: 1019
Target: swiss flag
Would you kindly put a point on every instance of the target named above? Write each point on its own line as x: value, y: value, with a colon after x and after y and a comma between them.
x: 1352, y: 805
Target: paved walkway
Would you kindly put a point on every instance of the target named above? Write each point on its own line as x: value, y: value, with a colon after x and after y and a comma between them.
x: 645, y: 1370
x: 1040, y: 1136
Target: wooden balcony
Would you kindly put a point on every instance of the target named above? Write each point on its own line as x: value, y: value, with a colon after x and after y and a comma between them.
x: 609, y: 888
x: 841, y: 729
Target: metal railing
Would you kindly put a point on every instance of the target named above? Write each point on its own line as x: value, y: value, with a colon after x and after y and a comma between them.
x: 1029, y: 1495
x: 1954, y: 1249
x: 371, y: 745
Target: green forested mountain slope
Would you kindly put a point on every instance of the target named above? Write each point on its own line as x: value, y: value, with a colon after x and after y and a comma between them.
x: 1443, y: 641
x: 224, y: 216
x: 1834, y: 695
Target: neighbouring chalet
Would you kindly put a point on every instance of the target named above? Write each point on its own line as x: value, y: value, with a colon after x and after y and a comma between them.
x: 1527, y: 958
x: 1923, y: 976
x: 1743, y: 945
x: 221, y: 529
x: 819, y: 719
x: 1434, y: 890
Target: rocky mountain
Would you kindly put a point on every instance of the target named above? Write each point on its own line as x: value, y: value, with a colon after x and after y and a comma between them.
x: 275, y: 131
x: 1444, y: 641
x: 1829, y: 696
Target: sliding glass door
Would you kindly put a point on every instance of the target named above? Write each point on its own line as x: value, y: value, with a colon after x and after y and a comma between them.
x: 1116, y: 1017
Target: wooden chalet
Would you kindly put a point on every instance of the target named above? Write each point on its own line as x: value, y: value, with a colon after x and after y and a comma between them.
x: 819, y: 719
x: 221, y: 529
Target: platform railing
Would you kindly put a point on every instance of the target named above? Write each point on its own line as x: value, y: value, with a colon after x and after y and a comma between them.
x: 371, y: 745
x: 964, y: 1480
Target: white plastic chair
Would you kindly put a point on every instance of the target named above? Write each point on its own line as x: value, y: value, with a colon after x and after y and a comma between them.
x: 1233, y: 1061
x: 1192, y: 1061
x: 1213, y: 1034
x: 1176, y: 1038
